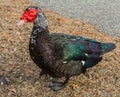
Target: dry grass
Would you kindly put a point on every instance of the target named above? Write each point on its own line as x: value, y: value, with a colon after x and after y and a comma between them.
x: 19, y: 75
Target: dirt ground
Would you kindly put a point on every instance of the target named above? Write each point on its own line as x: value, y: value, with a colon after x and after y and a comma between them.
x: 19, y: 75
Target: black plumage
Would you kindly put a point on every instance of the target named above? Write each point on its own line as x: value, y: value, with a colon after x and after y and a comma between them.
x: 61, y: 55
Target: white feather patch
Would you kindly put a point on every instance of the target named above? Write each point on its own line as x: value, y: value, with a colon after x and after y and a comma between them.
x: 83, y: 62
x: 65, y: 62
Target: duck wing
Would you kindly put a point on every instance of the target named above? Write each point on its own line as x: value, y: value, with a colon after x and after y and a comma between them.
x: 70, y: 47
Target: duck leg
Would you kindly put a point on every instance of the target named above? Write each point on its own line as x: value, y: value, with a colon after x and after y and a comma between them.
x: 58, y: 85
x: 42, y: 73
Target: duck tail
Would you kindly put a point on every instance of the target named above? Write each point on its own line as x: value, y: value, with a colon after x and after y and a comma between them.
x: 107, y: 47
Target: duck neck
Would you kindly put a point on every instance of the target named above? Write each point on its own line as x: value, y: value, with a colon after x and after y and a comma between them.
x: 40, y: 29
x: 40, y: 43
x: 41, y: 21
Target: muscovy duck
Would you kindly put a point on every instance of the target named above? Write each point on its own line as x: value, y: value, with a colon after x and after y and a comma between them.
x: 58, y: 54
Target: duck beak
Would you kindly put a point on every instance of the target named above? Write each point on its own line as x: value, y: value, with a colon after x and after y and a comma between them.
x: 21, y: 22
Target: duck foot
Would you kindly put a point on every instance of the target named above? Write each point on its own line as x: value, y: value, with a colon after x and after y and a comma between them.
x: 56, y: 86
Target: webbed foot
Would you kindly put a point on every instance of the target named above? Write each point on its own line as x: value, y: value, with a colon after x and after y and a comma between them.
x: 58, y: 85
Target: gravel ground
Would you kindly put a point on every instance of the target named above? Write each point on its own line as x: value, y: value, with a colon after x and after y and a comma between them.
x: 104, y: 14
x: 18, y: 73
